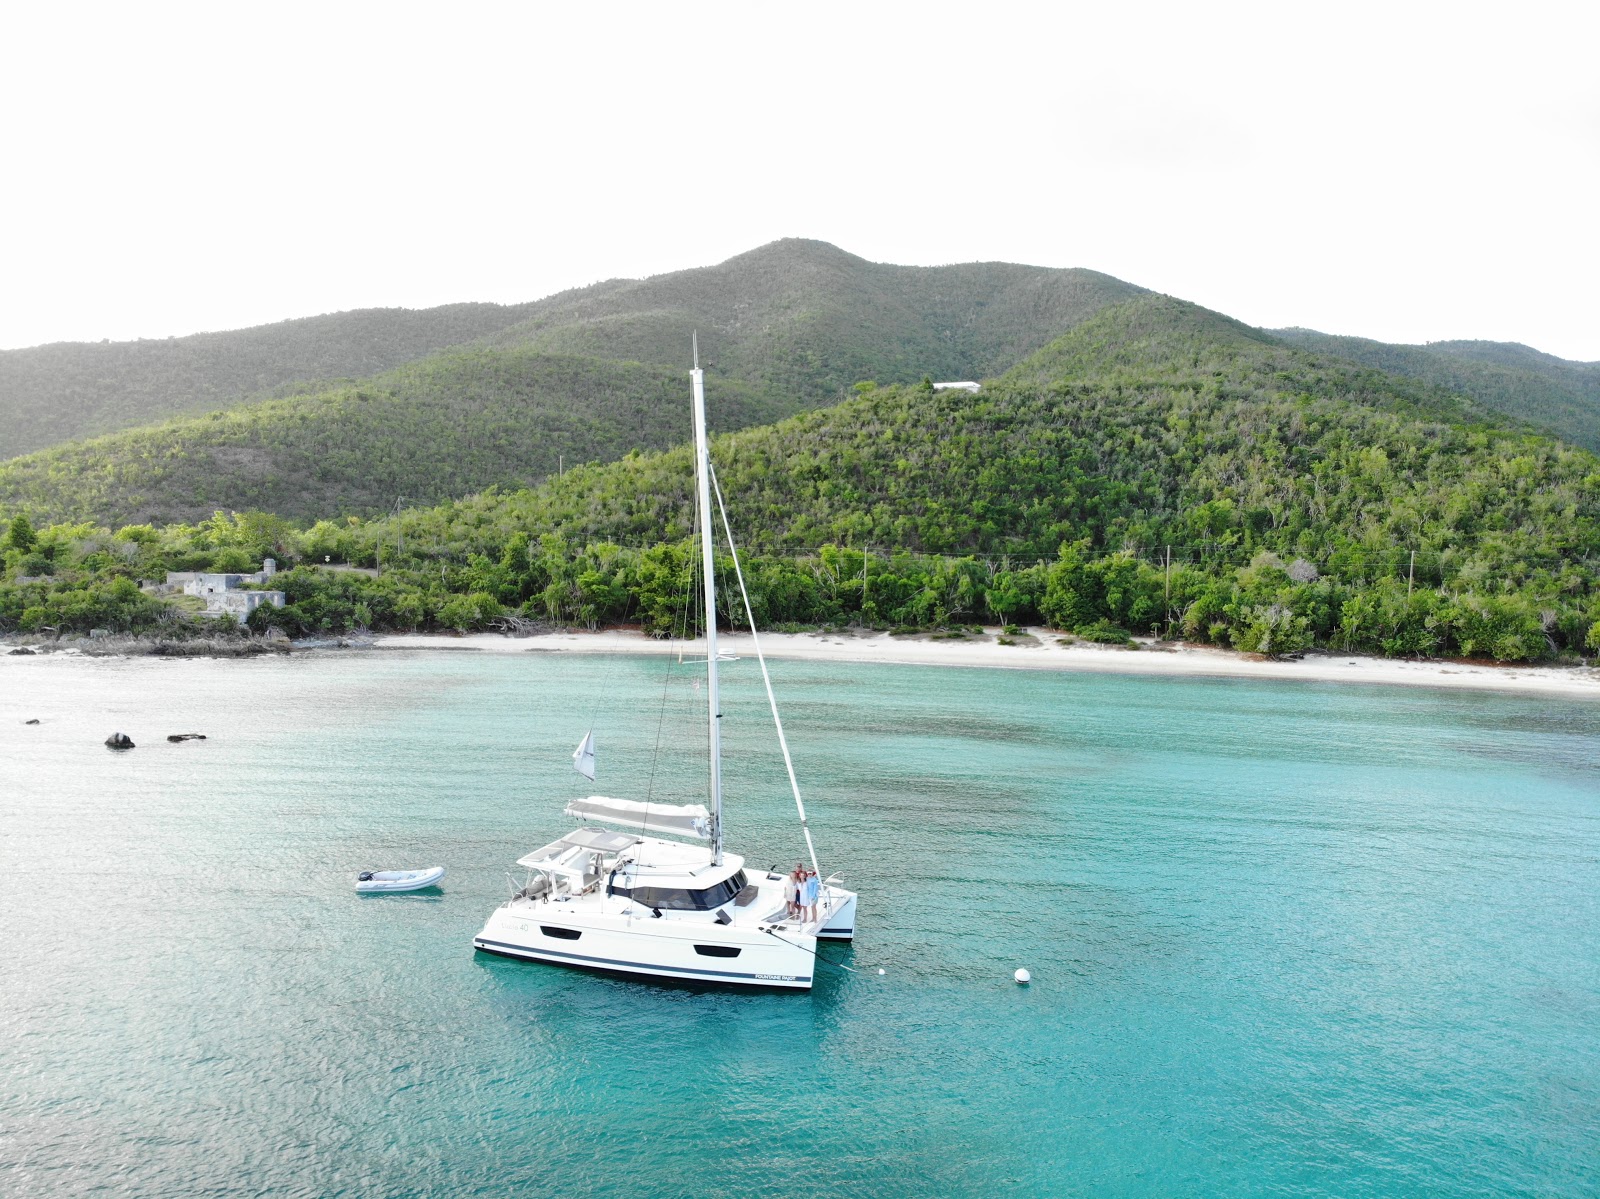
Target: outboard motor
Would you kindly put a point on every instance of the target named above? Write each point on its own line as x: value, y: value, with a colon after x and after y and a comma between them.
x: 364, y: 877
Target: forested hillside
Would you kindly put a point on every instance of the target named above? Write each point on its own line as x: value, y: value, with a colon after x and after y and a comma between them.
x: 807, y: 320
x: 1159, y: 468
x: 789, y: 326
x: 1551, y: 393
x: 1154, y: 423
x: 451, y: 424
x: 55, y: 393
x: 1155, y: 468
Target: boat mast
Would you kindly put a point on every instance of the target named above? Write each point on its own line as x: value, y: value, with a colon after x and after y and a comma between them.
x: 702, y: 478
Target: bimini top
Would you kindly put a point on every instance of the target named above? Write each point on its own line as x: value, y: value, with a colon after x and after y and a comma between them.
x: 686, y: 820
x: 599, y: 839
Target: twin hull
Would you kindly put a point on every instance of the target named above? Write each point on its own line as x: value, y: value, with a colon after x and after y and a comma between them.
x: 695, y: 949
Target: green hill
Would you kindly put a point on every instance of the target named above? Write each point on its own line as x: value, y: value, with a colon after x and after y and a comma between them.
x: 1551, y: 393
x: 1157, y: 468
x: 789, y: 326
x: 1121, y: 431
x: 1303, y: 499
x: 807, y: 320
x: 69, y: 390
x: 450, y: 424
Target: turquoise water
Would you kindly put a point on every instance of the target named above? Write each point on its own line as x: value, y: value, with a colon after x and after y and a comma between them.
x: 1287, y: 939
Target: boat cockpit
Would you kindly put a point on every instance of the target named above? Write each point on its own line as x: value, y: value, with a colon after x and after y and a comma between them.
x: 658, y: 875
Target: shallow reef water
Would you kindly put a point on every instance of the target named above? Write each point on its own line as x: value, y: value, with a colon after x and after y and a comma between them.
x: 1285, y: 938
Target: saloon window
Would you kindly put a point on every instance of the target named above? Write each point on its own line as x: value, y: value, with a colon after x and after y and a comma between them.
x: 677, y: 899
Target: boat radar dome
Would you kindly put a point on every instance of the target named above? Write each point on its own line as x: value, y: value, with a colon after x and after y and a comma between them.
x: 1023, y: 978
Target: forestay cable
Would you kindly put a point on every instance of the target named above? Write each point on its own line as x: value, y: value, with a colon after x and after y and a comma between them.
x: 772, y: 700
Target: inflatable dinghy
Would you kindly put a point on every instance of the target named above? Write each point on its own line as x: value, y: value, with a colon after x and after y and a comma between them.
x: 398, y: 880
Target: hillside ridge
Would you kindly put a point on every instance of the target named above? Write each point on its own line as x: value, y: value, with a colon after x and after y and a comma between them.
x: 1561, y: 397
x: 787, y: 326
x: 65, y: 391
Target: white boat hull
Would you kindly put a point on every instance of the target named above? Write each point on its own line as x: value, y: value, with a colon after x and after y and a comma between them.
x: 838, y: 916
x: 400, y: 880
x: 688, y: 948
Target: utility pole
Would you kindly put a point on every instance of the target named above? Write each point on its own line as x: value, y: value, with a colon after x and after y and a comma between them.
x: 400, y: 537
x: 1168, y: 599
x: 1411, y: 574
x: 399, y: 533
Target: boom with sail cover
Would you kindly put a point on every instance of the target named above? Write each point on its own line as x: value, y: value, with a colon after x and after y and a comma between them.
x: 686, y: 820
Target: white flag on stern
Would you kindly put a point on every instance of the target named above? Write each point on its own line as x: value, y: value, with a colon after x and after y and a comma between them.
x: 583, y: 756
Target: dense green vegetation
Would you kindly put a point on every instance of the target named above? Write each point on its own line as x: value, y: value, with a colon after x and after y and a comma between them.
x: 1550, y: 393
x: 786, y: 327
x: 451, y: 424
x: 1158, y: 469
x: 56, y: 393
x: 806, y: 320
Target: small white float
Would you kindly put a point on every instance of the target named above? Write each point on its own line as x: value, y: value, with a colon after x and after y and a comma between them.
x: 398, y: 880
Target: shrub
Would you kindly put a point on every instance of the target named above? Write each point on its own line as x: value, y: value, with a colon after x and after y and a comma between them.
x: 1272, y: 629
x: 467, y: 613
x: 1103, y: 632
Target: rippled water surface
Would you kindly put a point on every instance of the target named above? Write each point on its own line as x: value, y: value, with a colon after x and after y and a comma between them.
x: 1286, y: 939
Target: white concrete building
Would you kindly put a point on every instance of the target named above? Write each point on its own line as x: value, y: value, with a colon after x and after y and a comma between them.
x: 221, y: 591
x: 239, y: 604
x: 964, y: 385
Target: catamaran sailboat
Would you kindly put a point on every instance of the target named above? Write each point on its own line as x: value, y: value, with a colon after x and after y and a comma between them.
x: 674, y: 906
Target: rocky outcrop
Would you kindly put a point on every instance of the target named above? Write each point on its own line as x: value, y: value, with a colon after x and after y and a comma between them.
x: 119, y: 741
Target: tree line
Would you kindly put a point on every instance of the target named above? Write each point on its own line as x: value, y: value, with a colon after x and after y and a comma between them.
x: 87, y: 578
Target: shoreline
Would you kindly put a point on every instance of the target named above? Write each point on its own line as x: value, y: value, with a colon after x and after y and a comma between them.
x: 1032, y: 649
x: 1038, y: 649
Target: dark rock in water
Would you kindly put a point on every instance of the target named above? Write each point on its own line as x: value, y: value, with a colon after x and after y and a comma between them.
x: 186, y: 736
x: 119, y: 741
x: 22, y: 649
x: 35, y: 720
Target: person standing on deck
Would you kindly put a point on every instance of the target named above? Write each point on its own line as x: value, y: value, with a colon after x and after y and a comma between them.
x: 791, y: 892
x: 810, y: 892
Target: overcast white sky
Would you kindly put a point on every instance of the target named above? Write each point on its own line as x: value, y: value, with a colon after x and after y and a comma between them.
x: 1406, y: 172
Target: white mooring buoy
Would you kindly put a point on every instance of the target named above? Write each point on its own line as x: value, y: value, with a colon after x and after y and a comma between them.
x: 880, y: 970
x: 1023, y: 977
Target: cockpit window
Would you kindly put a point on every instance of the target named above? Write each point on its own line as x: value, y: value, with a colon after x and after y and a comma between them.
x: 678, y: 899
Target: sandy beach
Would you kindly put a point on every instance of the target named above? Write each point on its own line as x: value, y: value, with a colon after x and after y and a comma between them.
x: 1040, y: 649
